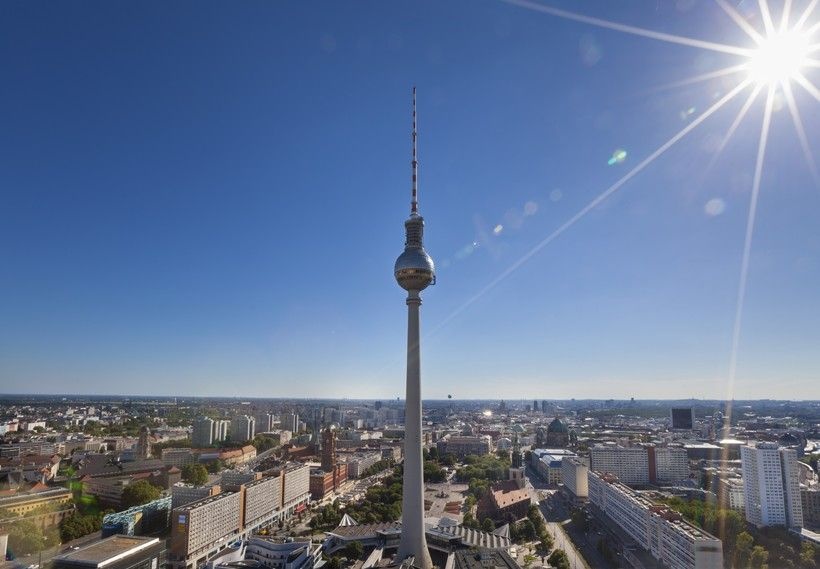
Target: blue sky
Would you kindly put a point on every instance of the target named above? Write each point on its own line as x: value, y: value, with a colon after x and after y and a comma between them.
x: 208, y: 198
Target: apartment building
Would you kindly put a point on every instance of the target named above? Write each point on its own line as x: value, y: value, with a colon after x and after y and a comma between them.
x: 203, y: 528
x: 629, y: 464
x: 771, y: 487
x: 654, y: 527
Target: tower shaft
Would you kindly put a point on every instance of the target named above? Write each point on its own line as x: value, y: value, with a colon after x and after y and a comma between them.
x: 413, y: 540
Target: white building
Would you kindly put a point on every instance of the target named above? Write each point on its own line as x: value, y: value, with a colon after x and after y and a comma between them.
x: 574, y: 473
x: 222, y: 428
x: 662, y: 532
x: 279, y: 553
x: 771, y: 488
x: 243, y: 428
x: 629, y: 464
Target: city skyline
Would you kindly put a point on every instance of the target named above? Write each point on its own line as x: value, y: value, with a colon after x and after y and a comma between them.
x: 175, y: 206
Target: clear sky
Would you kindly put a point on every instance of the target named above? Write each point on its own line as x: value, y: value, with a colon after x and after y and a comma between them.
x: 207, y: 198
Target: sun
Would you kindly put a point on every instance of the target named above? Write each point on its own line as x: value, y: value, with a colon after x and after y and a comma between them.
x: 780, y: 57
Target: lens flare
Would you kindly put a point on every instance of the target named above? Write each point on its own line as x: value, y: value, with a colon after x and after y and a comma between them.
x: 780, y: 57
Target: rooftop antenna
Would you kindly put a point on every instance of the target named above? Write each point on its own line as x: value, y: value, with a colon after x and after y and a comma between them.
x: 414, y: 201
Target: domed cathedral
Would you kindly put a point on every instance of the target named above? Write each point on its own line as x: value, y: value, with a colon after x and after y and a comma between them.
x: 557, y: 434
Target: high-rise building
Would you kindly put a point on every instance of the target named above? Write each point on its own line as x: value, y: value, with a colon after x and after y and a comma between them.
x: 289, y: 422
x: 414, y: 271
x: 264, y: 422
x: 222, y: 428
x: 243, y: 428
x: 771, y: 486
x: 328, y: 449
x: 535, y: 405
x: 683, y: 418
x: 202, y: 434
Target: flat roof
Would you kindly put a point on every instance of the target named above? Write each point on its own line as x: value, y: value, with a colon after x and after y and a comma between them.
x: 109, y: 550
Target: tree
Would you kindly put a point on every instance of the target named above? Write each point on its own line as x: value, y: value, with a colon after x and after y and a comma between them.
x: 354, y: 550
x: 77, y: 525
x: 526, y: 530
x: 488, y: 525
x: 26, y: 537
x: 335, y: 562
x: 743, y: 549
x: 139, y: 493
x: 559, y: 559
x: 760, y: 557
x: 195, y: 474
x: 433, y: 472
x: 807, y: 553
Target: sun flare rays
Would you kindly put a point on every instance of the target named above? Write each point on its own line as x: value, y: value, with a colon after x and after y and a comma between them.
x: 779, y: 56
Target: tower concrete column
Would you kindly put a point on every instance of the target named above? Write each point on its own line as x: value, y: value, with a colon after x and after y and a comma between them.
x: 413, y: 539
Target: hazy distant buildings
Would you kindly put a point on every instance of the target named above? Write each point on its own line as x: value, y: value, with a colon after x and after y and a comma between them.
x: 771, y: 488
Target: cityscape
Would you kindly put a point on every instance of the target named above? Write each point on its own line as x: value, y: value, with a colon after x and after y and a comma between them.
x: 205, y: 364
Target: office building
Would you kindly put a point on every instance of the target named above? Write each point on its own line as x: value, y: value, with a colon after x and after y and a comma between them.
x: 771, y: 488
x: 654, y: 527
x: 462, y: 446
x: 202, y: 434
x: 683, y: 418
x: 548, y: 463
x: 574, y: 473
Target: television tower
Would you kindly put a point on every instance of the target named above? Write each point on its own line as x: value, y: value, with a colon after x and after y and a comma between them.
x: 414, y: 271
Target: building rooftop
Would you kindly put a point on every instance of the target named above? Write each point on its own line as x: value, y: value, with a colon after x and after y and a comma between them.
x: 109, y: 550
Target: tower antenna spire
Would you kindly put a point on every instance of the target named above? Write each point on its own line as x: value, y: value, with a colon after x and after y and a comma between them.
x: 414, y: 200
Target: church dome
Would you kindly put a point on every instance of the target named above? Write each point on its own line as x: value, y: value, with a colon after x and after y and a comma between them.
x: 556, y: 426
